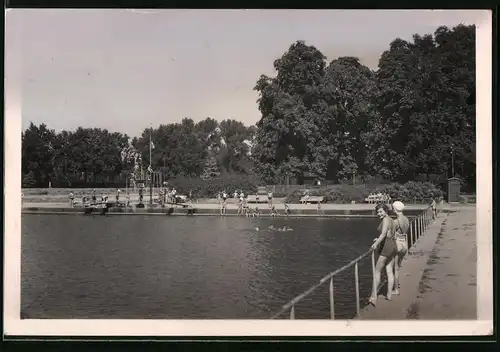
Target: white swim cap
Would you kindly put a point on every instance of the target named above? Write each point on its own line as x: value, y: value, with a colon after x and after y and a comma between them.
x: 398, y: 206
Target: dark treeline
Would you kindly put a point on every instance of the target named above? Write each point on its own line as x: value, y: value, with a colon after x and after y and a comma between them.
x: 335, y: 120
x: 95, y: 157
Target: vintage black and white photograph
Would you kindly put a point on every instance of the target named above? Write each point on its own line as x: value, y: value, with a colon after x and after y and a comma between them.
x: 228, y: 165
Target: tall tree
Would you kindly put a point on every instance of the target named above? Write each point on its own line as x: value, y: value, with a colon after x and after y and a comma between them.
x: 422, y: 111
x: 178, y: 150
x: 347, y: 91
x: 37, y: 153
x: 235, y: 157
x: 210, y: 169
x: 286, y: 137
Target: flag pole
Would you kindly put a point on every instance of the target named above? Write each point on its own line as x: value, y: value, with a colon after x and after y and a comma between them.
x: 150, y: 170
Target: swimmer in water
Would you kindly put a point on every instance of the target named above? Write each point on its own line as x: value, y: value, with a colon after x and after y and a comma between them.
x: 271, y: 227
x: 257, y: 229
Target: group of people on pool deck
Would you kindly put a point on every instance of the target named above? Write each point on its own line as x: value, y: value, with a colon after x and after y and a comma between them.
x: 244, y: 209
x: 391, y: 244
x: 93, y: 201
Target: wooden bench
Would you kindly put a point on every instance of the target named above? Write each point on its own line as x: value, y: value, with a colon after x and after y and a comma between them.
x: 262, y: 199
x: 374, y: 199
x: 311, y: 199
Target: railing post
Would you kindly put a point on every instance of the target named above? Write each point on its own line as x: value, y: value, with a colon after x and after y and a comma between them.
x: 419, y: 227
x: 332, y: 301
x: 412, y: 224
x: 292, y: 312
x: 356, y: 275
x: 422, y: 225
x: 373, y: 274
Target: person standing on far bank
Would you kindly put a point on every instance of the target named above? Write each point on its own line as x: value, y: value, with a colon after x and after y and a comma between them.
x: 434, y: 210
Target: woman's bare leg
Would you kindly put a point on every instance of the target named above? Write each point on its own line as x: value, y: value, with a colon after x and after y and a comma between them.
x: 390, y: 278
x: 397, y: 268
x: 397, y: 265
x: 376, y: 278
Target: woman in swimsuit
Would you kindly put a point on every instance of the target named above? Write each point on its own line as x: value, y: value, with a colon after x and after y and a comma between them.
x: 223, y: 208
x: 386, y: 247
x: 401, y: 225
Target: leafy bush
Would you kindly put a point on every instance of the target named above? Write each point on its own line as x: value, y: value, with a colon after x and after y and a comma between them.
x: 409, y: 192
x: 348, y: 194
x: 209, y: 188
x: 294, y: 196
x: 334, y: 194
x: 466, y: 198
x: 29, y: 180
x: 280, y: 195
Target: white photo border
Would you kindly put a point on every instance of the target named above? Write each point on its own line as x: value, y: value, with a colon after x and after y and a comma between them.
x: 14, y: 326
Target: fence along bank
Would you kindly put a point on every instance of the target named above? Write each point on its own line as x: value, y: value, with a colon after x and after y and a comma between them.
x: 418, y: 226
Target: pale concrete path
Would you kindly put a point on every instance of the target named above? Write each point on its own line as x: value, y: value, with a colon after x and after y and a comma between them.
x: 438, y: 278
x: 448, y: 288
x: 211, y: 205
x: 207, y: 204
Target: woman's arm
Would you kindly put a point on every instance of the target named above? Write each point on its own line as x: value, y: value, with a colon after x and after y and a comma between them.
x: 383, y: 233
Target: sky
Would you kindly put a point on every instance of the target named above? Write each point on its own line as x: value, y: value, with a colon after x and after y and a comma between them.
x: 126, y: 70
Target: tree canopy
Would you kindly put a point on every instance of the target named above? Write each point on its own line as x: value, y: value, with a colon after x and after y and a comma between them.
x: 332, y: 119
x: 339, y: 119
x: 421, y: 110
x: 97, y: 156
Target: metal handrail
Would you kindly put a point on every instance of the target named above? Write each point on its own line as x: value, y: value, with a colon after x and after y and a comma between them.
x: 418, y: 226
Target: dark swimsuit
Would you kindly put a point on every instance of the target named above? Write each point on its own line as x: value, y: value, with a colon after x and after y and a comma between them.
x: 388, y: 247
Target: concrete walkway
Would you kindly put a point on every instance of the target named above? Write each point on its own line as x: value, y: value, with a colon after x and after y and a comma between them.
x: 438, y: 277
x: 203, y: 204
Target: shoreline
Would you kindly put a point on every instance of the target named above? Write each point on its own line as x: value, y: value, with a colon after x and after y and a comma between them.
x: 297, y: 210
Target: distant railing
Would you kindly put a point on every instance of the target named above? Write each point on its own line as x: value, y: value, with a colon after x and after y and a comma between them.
x: 418, y: 226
